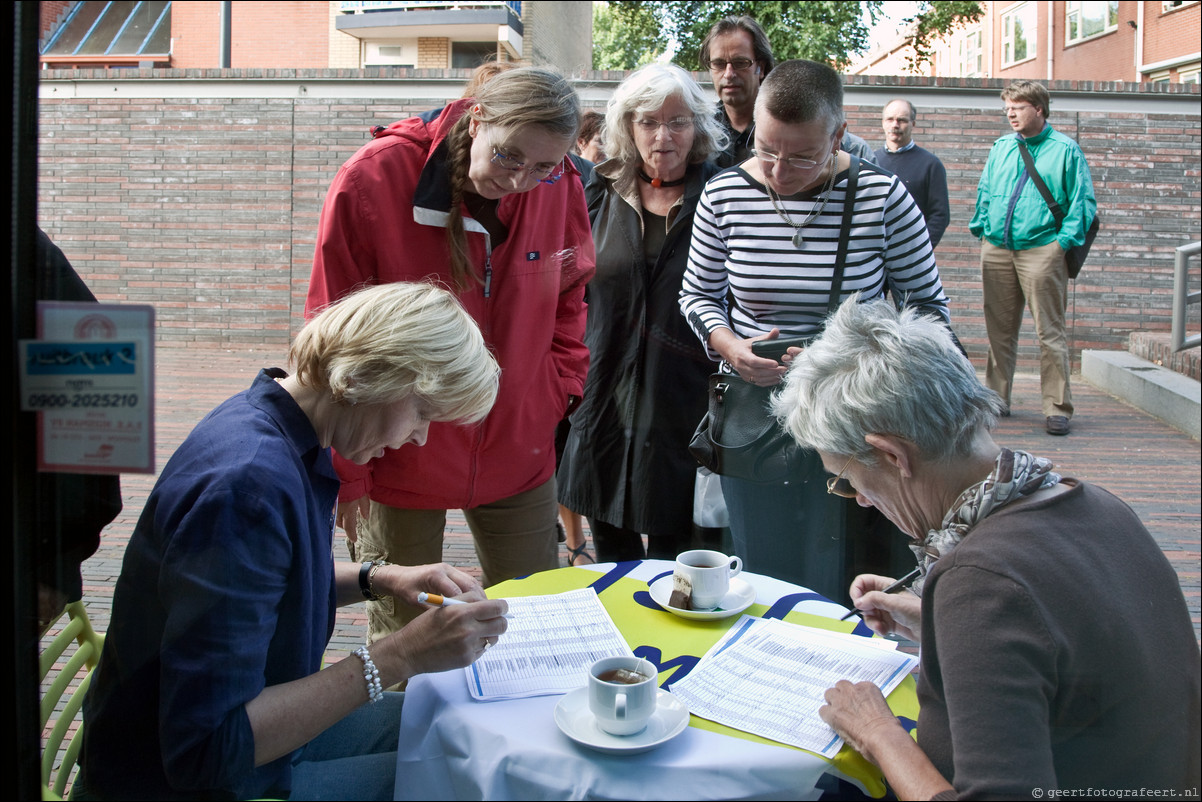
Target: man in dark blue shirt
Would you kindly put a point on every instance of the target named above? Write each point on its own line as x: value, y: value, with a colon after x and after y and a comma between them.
x: 919, y: 169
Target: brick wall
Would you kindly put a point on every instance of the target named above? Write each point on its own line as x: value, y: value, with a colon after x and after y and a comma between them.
x: 433, y: 53
x: 1145, y: 171
x: 1034, y: 68
x: 344, y: 48
x: 208, y: 208
x: 50, y: 14
x: 196, y: 34
x: 1170, y: 33
x: 298, y: 34
x: 1108, y: 57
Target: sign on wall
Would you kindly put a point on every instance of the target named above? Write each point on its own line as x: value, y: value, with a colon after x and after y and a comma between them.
x: 90, y: 378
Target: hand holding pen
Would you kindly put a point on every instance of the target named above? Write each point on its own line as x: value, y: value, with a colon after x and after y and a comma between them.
x: 444, y: 601
x: 885, y: 610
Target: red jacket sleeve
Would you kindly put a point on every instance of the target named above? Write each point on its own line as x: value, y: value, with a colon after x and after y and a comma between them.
x: 578, y: 263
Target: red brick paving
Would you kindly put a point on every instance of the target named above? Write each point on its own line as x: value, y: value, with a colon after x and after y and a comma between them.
x: 1152, y: 466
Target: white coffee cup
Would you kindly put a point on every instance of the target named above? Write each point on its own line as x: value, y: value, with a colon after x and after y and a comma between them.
x: 709, y: 572
x: 622, y: 708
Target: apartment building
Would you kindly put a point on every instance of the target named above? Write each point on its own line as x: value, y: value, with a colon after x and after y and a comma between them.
x: 1097, y: 40
x: 314, y: 35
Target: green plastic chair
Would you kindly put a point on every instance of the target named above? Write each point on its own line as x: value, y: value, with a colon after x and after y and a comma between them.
x: 57, y: 683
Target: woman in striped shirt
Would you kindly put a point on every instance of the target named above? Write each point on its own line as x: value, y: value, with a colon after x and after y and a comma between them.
x: 763, y: 264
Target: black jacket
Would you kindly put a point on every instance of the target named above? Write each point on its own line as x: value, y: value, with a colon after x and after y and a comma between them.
x: 626, y: 461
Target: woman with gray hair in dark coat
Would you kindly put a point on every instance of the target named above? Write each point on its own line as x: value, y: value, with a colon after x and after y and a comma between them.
x: 626, y: 466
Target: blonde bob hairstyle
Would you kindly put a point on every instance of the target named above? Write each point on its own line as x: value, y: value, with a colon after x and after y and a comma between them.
x: 645, y: 91
x: 385, y: 343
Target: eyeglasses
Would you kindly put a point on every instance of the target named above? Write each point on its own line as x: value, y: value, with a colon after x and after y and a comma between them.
x: 838, y: 486
x: 796, y: 162
x: 677, y: 126
x: 545, y: 175
x: 720, y: 64
x: 1008, y: 109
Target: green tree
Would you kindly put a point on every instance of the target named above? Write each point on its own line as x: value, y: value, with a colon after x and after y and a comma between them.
x: 935, y: 20
x: 630, y: 33
x: 625, y: 36
x: 822, y: 30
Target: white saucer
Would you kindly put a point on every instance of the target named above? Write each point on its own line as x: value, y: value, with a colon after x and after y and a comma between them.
x: 578, y: 723
x: 738, y: 598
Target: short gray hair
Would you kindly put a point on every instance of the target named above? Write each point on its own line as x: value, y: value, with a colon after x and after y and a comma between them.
x: 800, y: 91
x: 877, y: 370
x: 386, y: 343
x: 647, y: 89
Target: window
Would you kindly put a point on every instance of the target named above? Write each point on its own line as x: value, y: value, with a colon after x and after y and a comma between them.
x: 376, y: 54
x: 969, y: 56
x: 470, y: 55
x: 1084, y: 19
x: 1018, y: 34
x: 113, y: 34
x: 1173, y: 5
x: 1189, y: 74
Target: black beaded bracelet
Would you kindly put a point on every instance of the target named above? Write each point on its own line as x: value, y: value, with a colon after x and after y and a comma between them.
x: 365, y: 572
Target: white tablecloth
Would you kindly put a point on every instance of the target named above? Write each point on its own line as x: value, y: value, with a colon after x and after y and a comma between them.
x: 452, y: 747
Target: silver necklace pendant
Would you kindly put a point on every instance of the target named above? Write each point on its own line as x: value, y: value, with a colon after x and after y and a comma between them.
x: 798, y: 238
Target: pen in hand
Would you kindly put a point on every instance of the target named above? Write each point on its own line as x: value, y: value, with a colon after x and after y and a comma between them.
x: 443, y: 601
x: 900, y: 584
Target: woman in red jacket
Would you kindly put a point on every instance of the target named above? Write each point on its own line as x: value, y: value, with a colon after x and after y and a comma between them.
x: 470, y: 195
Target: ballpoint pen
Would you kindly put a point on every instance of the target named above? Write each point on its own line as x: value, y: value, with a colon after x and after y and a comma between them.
x: 900, y: 584
x: 443, y: 601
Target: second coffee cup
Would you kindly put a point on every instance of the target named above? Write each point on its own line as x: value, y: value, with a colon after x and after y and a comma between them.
x: 709, y: 572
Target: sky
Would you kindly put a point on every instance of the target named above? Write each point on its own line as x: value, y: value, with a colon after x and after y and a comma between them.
x: 893, y: 11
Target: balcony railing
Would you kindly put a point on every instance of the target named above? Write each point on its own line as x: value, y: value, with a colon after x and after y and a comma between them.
x: 368, y: 6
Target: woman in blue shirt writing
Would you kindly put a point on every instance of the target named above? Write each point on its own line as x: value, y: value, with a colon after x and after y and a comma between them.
x: 211, y: 681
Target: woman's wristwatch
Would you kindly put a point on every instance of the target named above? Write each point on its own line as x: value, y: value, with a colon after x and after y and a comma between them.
x: 367, y: 572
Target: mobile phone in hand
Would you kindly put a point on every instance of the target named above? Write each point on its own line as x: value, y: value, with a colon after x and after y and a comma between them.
x: 775, y: 349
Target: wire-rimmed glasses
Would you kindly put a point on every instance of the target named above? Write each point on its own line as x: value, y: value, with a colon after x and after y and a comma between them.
x: 544, y: 175
x: 838, y: 486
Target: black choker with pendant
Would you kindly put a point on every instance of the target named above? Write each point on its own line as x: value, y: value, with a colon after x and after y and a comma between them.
x: 659, y: 182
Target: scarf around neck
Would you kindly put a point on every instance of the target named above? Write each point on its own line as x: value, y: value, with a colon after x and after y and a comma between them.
x: 1014, y: 475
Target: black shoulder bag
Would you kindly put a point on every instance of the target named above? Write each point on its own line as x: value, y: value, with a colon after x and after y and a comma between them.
x: 1074, y: 257
x: 738, y: 436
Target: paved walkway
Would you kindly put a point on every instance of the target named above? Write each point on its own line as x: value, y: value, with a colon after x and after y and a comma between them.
x: 1152, y: 466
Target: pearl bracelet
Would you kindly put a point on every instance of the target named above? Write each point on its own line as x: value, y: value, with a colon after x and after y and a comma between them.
x: 371, y: 675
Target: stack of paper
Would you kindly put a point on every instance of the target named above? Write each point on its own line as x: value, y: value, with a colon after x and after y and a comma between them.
x: 548, y: 648
x: 768, y: 677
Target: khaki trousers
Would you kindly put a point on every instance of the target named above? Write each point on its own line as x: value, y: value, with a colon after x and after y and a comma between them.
x: 1036, y: 278
x: 514, y: 537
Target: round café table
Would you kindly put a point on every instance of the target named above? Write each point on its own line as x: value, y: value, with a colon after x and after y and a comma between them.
x: 453, y: 747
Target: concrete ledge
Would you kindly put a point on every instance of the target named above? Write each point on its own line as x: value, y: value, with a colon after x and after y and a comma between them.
x: 1175, y: 399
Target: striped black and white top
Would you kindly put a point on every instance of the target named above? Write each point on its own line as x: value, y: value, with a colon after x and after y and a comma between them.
x: 742, y: 246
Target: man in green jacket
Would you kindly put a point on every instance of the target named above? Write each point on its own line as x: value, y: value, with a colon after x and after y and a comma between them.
x: 1022, y: 248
